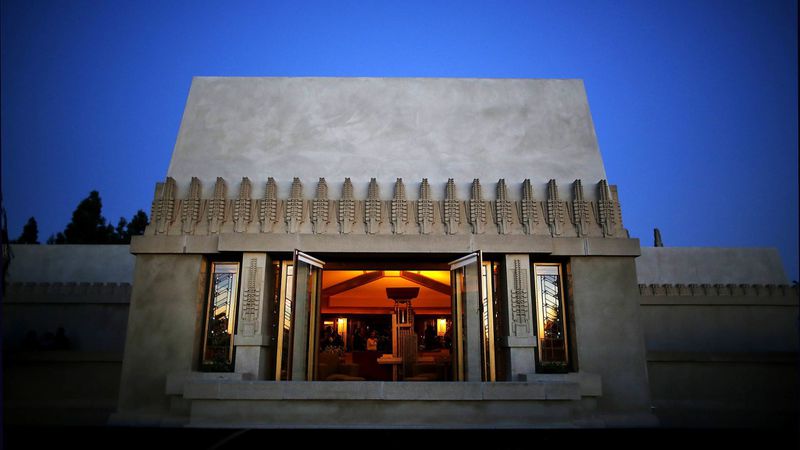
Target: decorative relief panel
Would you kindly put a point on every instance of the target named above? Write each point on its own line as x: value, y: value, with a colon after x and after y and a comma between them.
x: 268, y: 207
x: 251, y: 297
x: 372, y: 208
x: 519, y: 295
x: 529, y: 208
x: 580, y: 210
x: 504, y: 209
x: 477, y: 208
x: 347, y: 208
x: 548, y: 216
x: 320, y: 208
x: 555, y: 210
x: 399, y: 208
x: 216, y: 207
x: 163, y: 210
x: 451, y: 209
x: 242, y: 207
x: 606, y: 210
x: 294, y: 207
x: 190, y: 207
x: 425, y: 208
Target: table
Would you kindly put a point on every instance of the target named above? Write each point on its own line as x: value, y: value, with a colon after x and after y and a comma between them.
x: 394, y: 361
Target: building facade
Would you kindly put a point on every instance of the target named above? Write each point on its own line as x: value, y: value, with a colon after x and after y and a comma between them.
x: 428, y: 253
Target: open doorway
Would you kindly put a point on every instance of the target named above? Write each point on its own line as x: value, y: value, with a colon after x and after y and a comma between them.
x: 383, y: 325
x: 391, y: 320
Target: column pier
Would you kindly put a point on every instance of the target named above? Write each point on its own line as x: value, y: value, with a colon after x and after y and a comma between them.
x: 519, y: 334
x: 252, y: 338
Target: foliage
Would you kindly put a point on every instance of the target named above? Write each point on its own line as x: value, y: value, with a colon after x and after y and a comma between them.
x: 30, y: 233
x: 88, y: 226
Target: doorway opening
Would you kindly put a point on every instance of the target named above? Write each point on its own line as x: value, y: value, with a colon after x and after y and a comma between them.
x: 391, y: 320
x: 385, y: 325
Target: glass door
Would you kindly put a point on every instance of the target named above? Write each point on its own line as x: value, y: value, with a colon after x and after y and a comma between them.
x: 300, y: 314
x: 469, y: 362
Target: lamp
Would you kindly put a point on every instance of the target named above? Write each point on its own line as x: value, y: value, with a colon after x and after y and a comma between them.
x: 402, y: 297
x: 441, y: 327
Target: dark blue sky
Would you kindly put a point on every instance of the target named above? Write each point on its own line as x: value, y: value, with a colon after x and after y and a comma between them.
x: 694, y: 102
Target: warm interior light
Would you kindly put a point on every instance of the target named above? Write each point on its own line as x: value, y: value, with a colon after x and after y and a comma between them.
x: 391, y: 273
x: 341, y: 325
x: 441, y: 327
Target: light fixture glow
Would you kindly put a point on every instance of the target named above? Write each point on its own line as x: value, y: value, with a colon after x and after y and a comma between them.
x: 441, y: 327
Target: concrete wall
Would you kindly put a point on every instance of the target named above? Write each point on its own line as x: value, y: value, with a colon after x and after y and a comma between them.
x: 386, y: 128
x: 608, y: 330
x: 71, y: 264
x: 84, y: 289
x: 660, y: 265
x: 725, y: 356
x: 163, y: 331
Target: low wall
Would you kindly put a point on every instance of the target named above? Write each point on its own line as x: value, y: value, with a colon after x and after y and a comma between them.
x: 723, y: 355
x: 85, y: 291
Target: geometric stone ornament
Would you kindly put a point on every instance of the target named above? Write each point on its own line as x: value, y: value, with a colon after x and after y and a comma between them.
x: 425, y: 216
x: 294, y: 207
x: 268, y: 207
x: 504, y: 208
x: 163, y: 208
x: 580, y: 209
x: 555, y: 210
x: 477, y: 208
x: 190, y: 207
x: 519, y: 298
x: 251, y: 340
x: 347, y: 208
x: 529, y: 208
x: 619, y: 227
x: 320, y: 208
x: 399, y: 208
x: 425, y: 208
x: 216, y: 207
x: 606, y: 213
x: 242, y: 207
x: 372, y: 208
x: 451, y: 208
x: 251, y: 296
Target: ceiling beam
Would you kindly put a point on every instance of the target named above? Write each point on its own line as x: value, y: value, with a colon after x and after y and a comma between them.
x: 352, y: 283
x: 429, y: 283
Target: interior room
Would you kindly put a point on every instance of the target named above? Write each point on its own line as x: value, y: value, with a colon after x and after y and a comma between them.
x: 385, y: 325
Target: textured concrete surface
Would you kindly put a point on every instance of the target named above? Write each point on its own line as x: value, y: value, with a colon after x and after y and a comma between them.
x: 723, y: 361
x: 386, y: 128
x: 710, y: 265
x: 163, y: 328
x: 456, y: 244
x: 71, y: 264
x: 608, y: 330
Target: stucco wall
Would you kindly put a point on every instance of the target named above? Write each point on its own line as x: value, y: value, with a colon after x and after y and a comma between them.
x: 163, y: 329
x: 386, y: 128
x: 84, y: 289
x: 71, y: 264
x: 608, y: 330
x: 723, y: 356
x: 660, y: 265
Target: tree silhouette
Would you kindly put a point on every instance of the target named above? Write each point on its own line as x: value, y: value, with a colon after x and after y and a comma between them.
x: 30, y: 233
x: 137, y: 225
x: 88, y: 226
